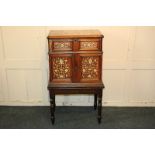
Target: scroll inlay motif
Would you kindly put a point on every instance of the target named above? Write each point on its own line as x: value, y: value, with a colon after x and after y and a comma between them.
x: 62, y: 45
x: 88, y: 44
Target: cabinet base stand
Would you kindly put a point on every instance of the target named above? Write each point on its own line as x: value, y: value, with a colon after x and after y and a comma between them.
x: 96, y: 89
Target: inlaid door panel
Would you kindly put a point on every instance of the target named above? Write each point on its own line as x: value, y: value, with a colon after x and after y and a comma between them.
x: 61, y: 45
x: 89, y: 44
x: 61, y: 67
x: 90, y: 66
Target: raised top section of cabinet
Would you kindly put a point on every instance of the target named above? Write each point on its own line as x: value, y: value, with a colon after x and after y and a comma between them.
x: 74, y: 34
x: 75, y: 40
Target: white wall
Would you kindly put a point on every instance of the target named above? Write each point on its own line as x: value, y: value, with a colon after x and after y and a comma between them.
x: 128, y: 74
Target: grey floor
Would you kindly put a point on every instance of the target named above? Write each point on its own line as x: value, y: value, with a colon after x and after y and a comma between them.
x: 76, y: 118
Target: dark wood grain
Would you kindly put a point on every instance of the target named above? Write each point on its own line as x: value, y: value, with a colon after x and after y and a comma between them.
x: 95, y: 101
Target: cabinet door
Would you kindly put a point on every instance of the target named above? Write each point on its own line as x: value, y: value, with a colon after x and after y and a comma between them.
x: 61, y: 68
x: 90, y: 67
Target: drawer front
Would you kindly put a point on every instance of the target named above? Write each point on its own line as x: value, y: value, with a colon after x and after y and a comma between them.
x: 61, y: 45
x: 89, y: 44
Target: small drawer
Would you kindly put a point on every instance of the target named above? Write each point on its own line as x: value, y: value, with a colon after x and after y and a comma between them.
x: 89, y: 44
x: 60, y: 45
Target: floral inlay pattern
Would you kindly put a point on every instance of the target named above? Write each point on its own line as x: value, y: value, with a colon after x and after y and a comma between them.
x: 88, y: 44
x: 62, y: 45
x: 90, y: 67
x: 61, y: 68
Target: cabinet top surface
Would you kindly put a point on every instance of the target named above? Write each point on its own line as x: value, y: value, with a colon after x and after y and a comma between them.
x: 74, y: 33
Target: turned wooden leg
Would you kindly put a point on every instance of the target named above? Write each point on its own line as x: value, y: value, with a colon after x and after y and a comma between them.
x: 52, y: 107
x: 54, y: 102
x: 95, y: 101
x: 100, y: 107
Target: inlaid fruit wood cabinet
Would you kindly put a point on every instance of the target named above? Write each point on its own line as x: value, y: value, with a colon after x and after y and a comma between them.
x: 75, y: 65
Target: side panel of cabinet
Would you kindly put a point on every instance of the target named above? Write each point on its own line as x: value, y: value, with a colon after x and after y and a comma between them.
x: 61, y: 68
x: 90, y: 67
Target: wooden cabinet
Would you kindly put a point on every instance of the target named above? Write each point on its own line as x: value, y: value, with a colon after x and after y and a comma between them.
x: 75, y: 65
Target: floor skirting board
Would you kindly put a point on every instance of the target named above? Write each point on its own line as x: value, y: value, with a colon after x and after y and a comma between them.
x: 106, y: 103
